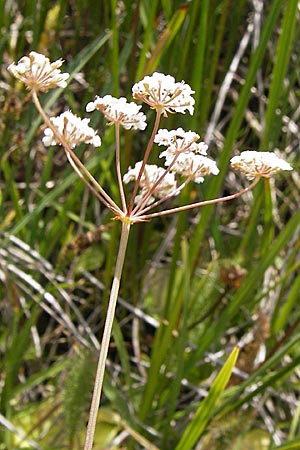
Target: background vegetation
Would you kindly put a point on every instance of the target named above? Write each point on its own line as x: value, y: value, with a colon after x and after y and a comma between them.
x: 194, y: 286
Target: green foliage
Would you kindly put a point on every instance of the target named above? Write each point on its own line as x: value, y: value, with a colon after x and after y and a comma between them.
x: 196, y: 427
x: 76, y: 392
x: 193, y: 286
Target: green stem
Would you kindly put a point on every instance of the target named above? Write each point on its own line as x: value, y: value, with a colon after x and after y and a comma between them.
x: 106, y: 337
x: 198, y: 204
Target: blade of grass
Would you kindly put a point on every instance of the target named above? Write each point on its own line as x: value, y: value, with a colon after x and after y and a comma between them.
x: 266, y: 381
x: 246, y: 291
x: 270, y: 132
x: 205, y: 411
x: 181, y: 343
x: 261, y: 375
x: 215, y: 41
x: 293, y: 445
x: 187, y: 41
x: 67, y: 181
x: 115, y: 64
x: 20, y: 337
x: 164, y: 341
x: 233, y: 130
x: 150, y: 10
x: 295, y: 425
x: 197, y: 79
x: 282, y: 62
x: 290, y: 302
x: 166, y: 38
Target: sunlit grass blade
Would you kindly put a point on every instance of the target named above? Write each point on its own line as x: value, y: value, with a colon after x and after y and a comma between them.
x: 205, y: 411
x: 166, y: 39
x: 264, y: 375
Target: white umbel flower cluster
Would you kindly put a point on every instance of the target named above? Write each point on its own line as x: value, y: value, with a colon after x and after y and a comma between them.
x: 194, y: 167
x: 184, y: 155
x: 73, y: 130
x: 259, y: 164
x: 151, y: 174
x: 165, y: 95
x: 38, y: 73
x: 179, y: 141
x: 117, y: 110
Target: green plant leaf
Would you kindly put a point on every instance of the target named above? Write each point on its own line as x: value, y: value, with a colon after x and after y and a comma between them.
x: 205, y: 411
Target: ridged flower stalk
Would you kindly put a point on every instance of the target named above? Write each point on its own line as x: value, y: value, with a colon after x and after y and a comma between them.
x: 106, y: 336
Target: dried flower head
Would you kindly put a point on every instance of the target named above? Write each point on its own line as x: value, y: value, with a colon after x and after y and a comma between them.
x: 259, y: 164
x: 195, y: 167
x: 152, y: 173
x: 73, y: 129
x: 117, y: 110
x: 179, y: 141
x: 38, y: 73
x: 162, y: 93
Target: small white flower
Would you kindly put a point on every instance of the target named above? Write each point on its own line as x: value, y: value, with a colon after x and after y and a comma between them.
x: 162, y: 93
x: 179, y: 141
x: 259, y: 164
x: 195, y: 167
x: 38, y: 73
x: 152, y: 173
x: 73, y: 129
x: 117, y: 110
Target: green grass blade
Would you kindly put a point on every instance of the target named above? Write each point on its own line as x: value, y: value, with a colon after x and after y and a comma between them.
x: 264, y: 374
x: 290, y: 302
x: 115, y: 64
x: 199, y: 58
x: 295, y: 445
x: 150, y: 12
x: 234, y: 127
x: 215, y: 42
x: 166, y: 38
x: 180, y: 345
x: 206, y: 408
x: 246, y: 292
x: 282, y: 61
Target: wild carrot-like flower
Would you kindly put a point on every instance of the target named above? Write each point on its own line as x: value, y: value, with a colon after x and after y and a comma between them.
x: 117, y: 110
x: 163, y: 94
x: 195, y: 167
x: 259, y: 164
x: 178, y: 141
x: 151, y: 175
x: 38, y: 73
x: 73, y: 129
